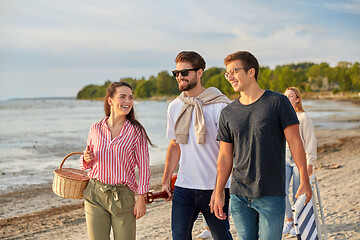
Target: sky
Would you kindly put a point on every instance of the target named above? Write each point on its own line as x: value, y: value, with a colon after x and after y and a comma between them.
x: 55, y: 48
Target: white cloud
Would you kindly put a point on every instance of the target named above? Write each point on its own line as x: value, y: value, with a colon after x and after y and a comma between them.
x: 92, y: 41
x: 348, y: 6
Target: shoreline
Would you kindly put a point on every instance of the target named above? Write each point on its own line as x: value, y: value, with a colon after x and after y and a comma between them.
x: 353, y: 97
x: 343, y: 96
x: 340, y: 96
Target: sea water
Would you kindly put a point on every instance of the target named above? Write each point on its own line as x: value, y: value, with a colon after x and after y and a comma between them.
x: 36, y: 134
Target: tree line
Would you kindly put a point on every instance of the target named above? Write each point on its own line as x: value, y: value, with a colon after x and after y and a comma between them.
x: 307, y: 76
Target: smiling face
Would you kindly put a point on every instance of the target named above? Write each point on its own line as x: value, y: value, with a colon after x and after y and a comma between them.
x: 239, y: 79
x: 188, y: 82
x: 122, y: 101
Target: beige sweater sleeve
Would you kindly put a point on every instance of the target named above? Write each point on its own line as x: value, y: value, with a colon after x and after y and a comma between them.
x: 307, y: 134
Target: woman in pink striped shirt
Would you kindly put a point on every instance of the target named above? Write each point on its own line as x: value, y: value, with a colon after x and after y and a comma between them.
x: 115, y: 146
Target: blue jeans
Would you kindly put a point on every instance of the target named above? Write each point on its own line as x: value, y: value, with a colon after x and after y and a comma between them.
x: 260, y: 217
x: 186, y: 205
x: 291, y: 171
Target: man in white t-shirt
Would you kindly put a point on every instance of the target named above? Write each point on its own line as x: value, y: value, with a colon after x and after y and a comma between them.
x: 192, y: 126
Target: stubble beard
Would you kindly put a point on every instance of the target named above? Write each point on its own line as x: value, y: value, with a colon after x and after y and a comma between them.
x: 188, y: 87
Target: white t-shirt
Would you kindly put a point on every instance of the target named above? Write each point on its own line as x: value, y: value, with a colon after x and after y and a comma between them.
x: 197, y: 166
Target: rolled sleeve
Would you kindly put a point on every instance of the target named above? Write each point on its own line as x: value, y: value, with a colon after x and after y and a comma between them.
x: 143, y: 163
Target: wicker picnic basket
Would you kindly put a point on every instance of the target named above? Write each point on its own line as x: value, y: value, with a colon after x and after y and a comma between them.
x: 69, y: 182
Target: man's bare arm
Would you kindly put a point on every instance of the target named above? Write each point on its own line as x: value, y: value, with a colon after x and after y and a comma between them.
x: 171, y: 161
x: 224, y: 168
x: 292, y: 136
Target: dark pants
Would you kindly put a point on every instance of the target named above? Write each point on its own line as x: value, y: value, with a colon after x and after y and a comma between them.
x: 186, y: 205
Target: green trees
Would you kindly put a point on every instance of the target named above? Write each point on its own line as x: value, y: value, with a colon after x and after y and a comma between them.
x: 218, y: 80
x: 283, y: 77
x: 265, y: 77
x: 166, y: 84
x: 146, y: 89
x: 354, y: 75
x: 306, y: 76
x: 210, y: 73
x: 93, y: 91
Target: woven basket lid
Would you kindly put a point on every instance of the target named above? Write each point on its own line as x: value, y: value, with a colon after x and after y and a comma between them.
x: 71, y: 173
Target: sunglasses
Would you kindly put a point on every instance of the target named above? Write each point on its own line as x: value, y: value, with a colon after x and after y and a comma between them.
x: 183, y: 72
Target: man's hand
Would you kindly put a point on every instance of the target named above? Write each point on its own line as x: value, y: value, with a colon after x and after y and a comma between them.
x: 304, y: 188
x: 212, y: 201
x: 166, y: 187
x: 217, y: 205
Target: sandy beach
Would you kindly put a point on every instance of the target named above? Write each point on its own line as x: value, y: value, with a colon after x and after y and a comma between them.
x: 37, y: 213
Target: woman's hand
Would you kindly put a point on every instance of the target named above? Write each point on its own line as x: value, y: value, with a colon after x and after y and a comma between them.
x: 140, y: 207
x: 88, y: 154
x: 309, y: 169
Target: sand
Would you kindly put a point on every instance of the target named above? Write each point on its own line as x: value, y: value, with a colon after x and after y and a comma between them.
x: 37, y: 213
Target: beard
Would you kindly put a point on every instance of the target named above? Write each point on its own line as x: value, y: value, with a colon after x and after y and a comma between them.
x: 189, y: 86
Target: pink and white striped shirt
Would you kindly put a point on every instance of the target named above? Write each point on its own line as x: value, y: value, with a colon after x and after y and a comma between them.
x: 115, y: 160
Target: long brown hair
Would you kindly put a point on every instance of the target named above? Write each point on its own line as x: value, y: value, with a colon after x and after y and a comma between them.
x: 131, y: 115
x: 299, y: 106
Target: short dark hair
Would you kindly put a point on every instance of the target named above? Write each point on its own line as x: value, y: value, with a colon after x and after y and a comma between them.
x: 192, y: 57
x: 247, y: 59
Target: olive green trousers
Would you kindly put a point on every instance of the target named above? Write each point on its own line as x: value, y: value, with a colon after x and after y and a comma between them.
x: 109, y: 206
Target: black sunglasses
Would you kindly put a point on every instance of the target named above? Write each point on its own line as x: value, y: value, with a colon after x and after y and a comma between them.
x: 183, y: 72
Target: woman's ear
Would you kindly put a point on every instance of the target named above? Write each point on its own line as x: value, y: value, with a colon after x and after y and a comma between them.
x: 109, y: 101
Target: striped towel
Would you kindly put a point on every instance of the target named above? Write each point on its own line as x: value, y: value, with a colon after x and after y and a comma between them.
x: 307, y: 224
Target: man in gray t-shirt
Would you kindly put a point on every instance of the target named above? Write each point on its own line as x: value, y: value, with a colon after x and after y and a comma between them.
x: 259, y: 144
x: 252, y: 134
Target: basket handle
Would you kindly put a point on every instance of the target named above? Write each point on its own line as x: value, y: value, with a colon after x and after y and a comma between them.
x: 62, y: 163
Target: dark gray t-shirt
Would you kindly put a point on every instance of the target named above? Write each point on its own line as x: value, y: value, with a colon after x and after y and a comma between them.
x: 257, y: 132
